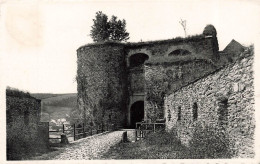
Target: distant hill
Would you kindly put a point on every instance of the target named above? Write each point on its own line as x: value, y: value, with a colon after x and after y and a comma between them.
x: 47, y: 95
x: 62, y: 100
x: 56, y: 106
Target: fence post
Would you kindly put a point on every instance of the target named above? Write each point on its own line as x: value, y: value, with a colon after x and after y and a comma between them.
x: 63, y: 128
x: 48, y: 132
x: 141, y: 132
x: 135, y: 135
x: 74, y: 129
x: 84, y: 130
x: 91, y: 130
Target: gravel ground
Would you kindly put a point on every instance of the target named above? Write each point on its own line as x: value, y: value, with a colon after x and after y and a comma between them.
x: 89, y: 148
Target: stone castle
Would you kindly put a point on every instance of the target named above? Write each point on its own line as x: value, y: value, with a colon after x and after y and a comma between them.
x: 181, y: 81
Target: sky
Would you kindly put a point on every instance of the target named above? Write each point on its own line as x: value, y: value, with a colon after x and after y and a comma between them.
x: 39, y: 39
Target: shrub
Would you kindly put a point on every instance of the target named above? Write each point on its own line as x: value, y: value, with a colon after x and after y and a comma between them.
x: 209, y: 143
x: 162, y: 138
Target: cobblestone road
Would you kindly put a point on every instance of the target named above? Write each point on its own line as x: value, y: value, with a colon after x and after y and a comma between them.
x: 90, y: 148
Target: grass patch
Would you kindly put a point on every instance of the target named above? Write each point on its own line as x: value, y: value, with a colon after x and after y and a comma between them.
x: 205, y: 144
x: 209, y: 143
x: 55, y: 150
x: 161, y: 145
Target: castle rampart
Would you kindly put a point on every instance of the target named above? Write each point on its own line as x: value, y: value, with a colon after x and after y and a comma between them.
x: 134, y: 78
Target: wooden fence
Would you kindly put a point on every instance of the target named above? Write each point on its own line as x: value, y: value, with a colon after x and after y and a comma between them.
x: 80, y: 131
x: 143, y: 129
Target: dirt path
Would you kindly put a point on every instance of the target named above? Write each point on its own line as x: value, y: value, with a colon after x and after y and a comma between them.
x: 88, y: 148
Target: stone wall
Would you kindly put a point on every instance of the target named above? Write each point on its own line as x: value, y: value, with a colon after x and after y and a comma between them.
x: 162, y: 79
x: 197, y: 45
x: 136, y: 80
x: 224, y: 100
x: 102, y: 84
x: 165, y: 71
x: 23, y: 129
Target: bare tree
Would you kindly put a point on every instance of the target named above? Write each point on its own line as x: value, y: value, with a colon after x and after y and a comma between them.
x: 183, y: 24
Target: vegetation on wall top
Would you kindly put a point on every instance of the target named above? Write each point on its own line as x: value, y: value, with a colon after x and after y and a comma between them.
x: 172, y: 40
x: 192, y: 38
x: 14, y: 92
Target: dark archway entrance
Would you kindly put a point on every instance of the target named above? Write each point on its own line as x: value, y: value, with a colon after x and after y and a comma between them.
x: 137, y: 113
x: 138, y: 59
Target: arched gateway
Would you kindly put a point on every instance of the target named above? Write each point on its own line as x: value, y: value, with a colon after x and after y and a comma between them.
x: 137, y: 113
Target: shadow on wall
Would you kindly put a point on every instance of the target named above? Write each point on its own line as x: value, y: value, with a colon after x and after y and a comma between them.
x: 209, y: 142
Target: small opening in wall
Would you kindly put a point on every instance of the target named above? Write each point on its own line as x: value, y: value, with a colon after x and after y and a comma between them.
x: 26, y: 117
x: 109, y: 117
x: 195, y: 111
x: 223, y: 111
x: 179, y: 113
x: 179, y: 52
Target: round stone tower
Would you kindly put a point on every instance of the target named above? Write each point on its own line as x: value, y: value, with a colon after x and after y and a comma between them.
x: 102, y: 83
x: 210, y: 31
